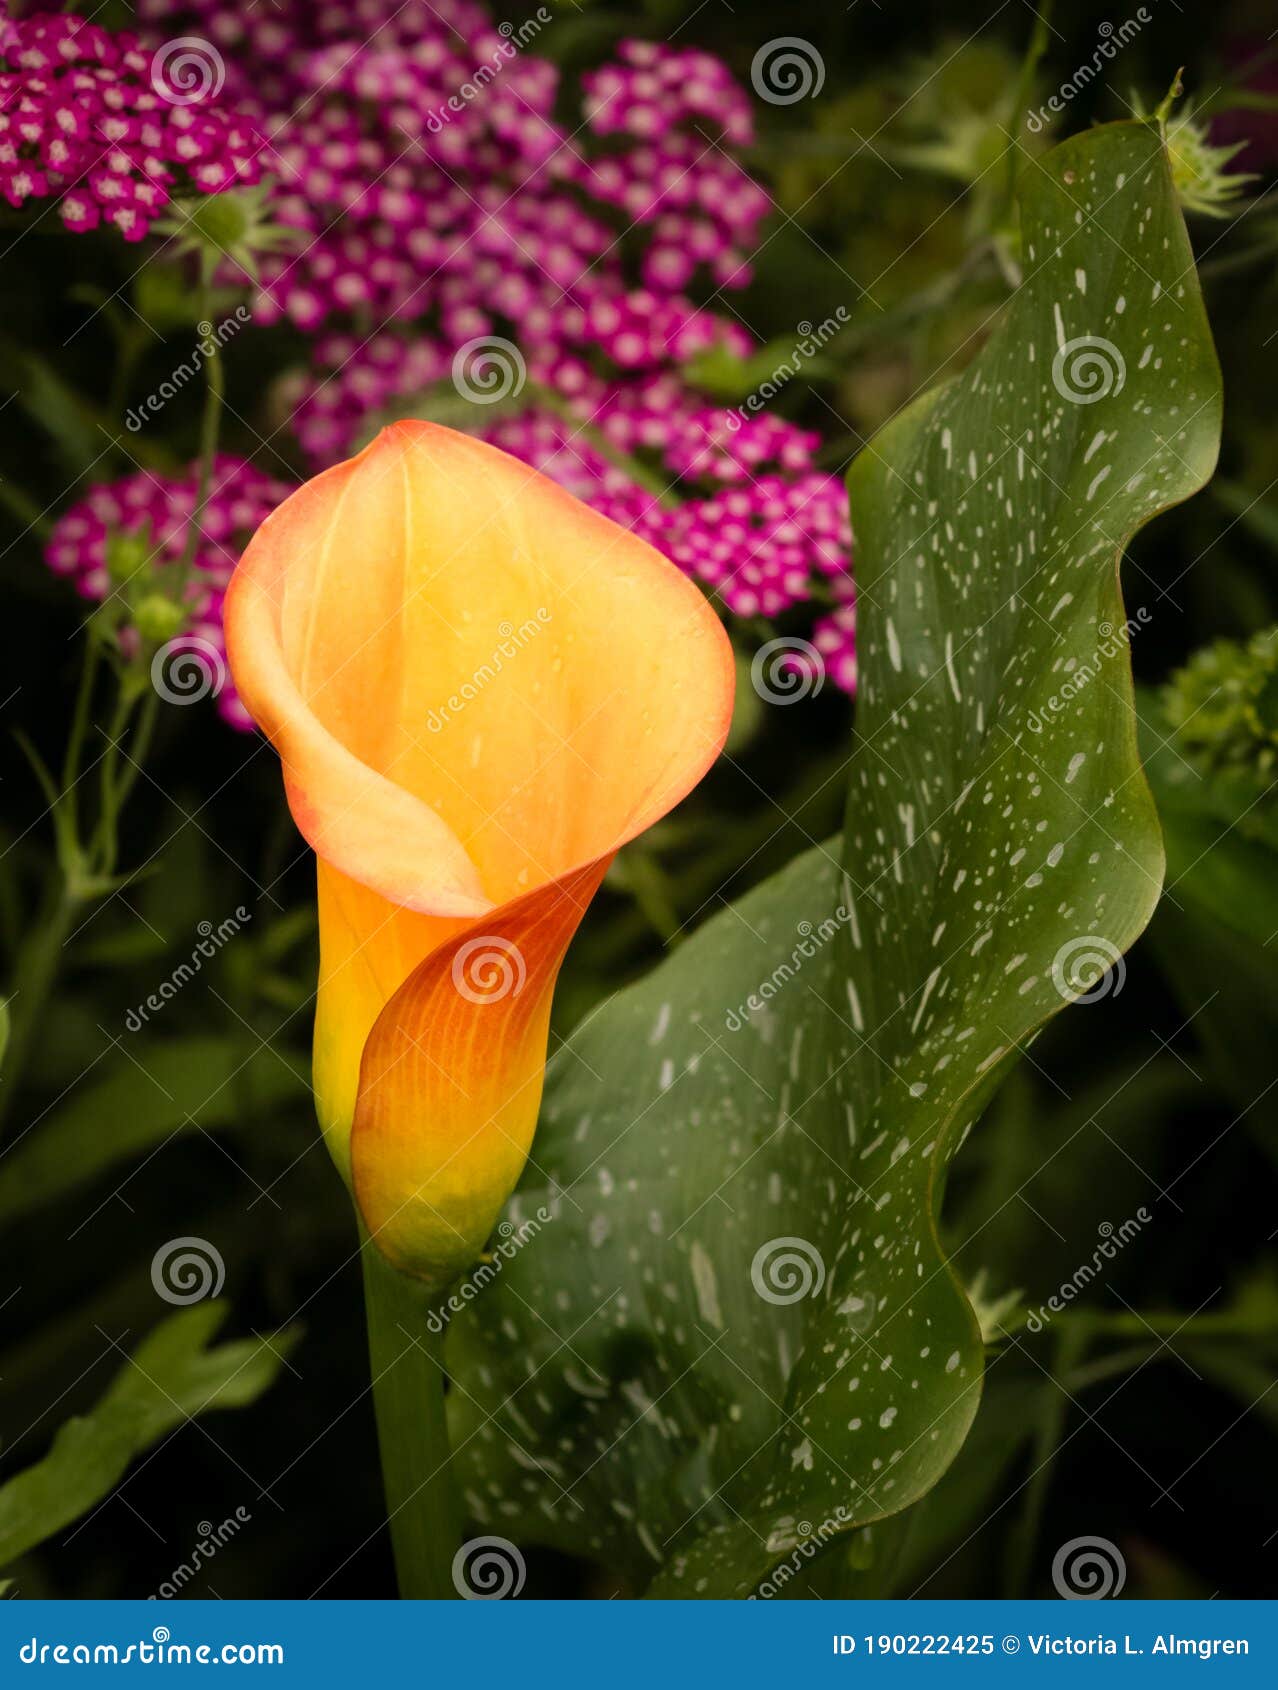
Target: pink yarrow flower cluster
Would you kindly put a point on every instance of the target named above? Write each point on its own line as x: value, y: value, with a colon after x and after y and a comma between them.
x: 95, y: 120
x: 415, y: 144
x: 418, y: 156
x: 440, y: 207
x: 701, y: 204
x: 158, y: 511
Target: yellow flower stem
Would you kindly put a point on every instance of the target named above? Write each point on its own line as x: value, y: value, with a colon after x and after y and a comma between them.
x: 408, y: 1392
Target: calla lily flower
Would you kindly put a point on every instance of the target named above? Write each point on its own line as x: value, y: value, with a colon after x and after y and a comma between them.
x: 479, y: 689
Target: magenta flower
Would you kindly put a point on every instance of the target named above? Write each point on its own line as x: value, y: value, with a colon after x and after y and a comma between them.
x: 157, y: 512
x: 441, y: 210
x: 95, y: 120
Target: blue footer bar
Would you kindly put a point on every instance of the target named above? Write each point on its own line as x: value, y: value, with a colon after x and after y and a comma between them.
x: 648, y: 1644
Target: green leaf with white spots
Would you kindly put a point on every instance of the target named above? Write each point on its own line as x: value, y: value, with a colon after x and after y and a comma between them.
x: 736, y: 1336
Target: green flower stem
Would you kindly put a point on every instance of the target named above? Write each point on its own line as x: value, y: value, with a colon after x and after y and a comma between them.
x: 85, y: 870
x: 127, y: 779
x: 210, y: 425
x: 408, y: 1393
x: 1023, y: 93
x: 79, y: 729
x: 35, y: 970
x: 1054, y: 1404
x: 103, y: 848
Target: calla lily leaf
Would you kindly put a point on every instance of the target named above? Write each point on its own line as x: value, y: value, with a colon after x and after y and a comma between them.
x: 736, y: 1336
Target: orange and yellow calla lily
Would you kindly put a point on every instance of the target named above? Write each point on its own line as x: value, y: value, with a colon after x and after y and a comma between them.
x: 479, y: 689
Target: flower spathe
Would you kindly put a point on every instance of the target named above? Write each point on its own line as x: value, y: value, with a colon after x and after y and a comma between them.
x: 479, y: 689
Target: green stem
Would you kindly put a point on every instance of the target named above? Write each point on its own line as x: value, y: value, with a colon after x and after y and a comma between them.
x: 141, y: 744
x: 408, y: 1392
x: 1071, y: 1344
x: 210, y: 424
x: 35, y: 971
x: 1038, y: 45
x: 79, y: 731
x: 106, y: 843
x: 83, y: 870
